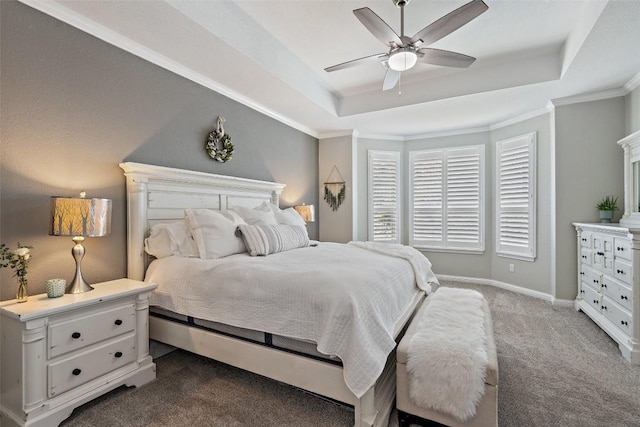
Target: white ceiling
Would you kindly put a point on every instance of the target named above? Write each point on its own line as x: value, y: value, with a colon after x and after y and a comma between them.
x: 271, y: 55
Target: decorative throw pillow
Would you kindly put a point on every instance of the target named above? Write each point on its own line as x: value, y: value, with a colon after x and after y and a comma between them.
x: 170, y: 239
x: 214, y: 232
x: 262, y: 240
x: 288, y: 216
x: 256, y: 216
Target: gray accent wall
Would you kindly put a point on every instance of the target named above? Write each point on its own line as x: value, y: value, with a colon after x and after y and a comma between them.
x: 632, y: 109
x: 73, y: 107
x: 588, y: 166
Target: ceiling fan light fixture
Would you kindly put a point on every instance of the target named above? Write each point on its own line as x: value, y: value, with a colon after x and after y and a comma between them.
x: 402, y: 59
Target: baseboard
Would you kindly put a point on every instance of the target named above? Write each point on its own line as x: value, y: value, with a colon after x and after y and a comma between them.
x: 508, y: 287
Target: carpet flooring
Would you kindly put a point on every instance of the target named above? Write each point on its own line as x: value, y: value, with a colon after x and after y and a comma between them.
x: 557, y: 368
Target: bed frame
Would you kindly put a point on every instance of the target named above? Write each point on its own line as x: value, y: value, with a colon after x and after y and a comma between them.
x: 158, y: 194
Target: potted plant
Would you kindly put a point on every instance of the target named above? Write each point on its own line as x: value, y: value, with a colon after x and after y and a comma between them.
x: 606, y: 207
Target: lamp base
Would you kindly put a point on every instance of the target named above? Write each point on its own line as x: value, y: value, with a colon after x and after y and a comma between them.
x: 78, y: 285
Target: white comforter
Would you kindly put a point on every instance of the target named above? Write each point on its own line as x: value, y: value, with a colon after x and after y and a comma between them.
x: 346, y: 298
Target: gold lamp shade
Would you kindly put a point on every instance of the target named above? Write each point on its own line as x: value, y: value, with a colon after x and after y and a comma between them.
x: 79, y: 217
x: 307, y: 212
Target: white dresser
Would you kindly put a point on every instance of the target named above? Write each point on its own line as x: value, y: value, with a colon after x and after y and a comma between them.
x: 608, y: 289
x: 58, y: 353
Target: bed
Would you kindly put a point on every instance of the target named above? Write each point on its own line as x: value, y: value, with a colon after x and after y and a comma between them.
x: 302, y: 357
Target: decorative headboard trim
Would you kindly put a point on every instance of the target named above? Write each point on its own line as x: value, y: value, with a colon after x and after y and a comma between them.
x: 173, y: 188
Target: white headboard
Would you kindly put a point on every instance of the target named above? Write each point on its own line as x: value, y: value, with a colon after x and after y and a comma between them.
x: 160, y: 194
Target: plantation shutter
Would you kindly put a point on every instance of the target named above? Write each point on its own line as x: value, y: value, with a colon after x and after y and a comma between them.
x: 516, y: 197
x: 384, y: 196
x: 447, y: 199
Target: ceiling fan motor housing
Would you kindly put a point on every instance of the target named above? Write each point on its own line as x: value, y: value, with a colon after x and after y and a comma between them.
x: 401, y: 3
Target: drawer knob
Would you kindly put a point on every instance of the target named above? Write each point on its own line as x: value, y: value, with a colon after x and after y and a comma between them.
x: 75, y: 335
x: 604, y: 307
x: 76, y: 371
x: 624, y: 297
x: 118, y: 322
x: 582, y: 291
x: 619, y: 271
x: 623, y: 322
x: 118, y: 354
x: 604, y: 285
x: 595, y: 301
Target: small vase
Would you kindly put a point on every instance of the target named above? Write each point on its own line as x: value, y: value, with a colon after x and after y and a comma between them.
x: 22, y: 293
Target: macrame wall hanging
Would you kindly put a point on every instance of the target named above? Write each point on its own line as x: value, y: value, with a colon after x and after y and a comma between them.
x: 334, y: 189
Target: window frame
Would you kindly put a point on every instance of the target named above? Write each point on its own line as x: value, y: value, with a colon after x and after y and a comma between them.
x: 444, y: 155
x: 528, y: 140
x: 394, y: 156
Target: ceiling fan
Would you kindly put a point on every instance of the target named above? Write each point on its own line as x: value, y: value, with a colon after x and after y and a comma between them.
x: 405, y: 52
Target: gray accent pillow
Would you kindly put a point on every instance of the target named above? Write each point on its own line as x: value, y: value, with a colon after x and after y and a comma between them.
x: 262, y: 240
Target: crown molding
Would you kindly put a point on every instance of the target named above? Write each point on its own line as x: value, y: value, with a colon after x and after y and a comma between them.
x: 633, y: 83
x: 447, y: 133
x: 521, y: 118
x: 88, y: 26
x: 381, y: 136
x: 336, y: 134
x: 588, y: 97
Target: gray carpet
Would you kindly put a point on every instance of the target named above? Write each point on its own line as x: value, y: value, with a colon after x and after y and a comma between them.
x: 557, y: 368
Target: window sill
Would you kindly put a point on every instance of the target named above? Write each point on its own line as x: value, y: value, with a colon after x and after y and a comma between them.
x: 451, y: 250
x: 518, y: 257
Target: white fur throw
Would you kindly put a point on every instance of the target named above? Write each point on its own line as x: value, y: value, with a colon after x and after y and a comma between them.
x: 447, y: 356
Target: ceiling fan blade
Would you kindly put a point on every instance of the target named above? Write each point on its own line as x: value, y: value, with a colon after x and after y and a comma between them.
x: 390, y: 79
x: 377, y: 26
x: 378, y: 57
x: 444, y: 58
x: 450, y: 22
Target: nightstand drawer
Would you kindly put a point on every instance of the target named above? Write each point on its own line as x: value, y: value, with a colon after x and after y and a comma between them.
x: 84, y: 367
x: 74, y: 332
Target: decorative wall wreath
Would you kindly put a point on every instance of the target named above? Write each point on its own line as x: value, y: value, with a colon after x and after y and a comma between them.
x: 219, y: 145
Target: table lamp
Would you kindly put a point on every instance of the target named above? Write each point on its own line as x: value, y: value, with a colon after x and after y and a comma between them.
x: 307, y: 212
x: 79, y: 217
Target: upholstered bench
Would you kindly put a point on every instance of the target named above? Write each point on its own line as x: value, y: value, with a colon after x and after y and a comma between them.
x: 486, y: 411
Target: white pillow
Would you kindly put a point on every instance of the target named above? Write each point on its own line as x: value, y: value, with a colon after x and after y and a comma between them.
x: 282, y: 216
x: 171, y: 239
x: 288, y: 216
x: 262, y: 240
x: 214, y: 232
x: 256, y: 216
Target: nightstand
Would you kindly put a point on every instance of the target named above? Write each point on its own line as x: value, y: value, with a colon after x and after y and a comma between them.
x: 59, y: 353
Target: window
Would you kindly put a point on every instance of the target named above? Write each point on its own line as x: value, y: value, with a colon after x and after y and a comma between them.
x: 447, y: 199
x: 516, y: 197
x: 384, y: 196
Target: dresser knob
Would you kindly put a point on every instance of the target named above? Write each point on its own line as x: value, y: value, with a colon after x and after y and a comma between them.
x: 76, y: 371
x: 624, y: 323
x: 582, y: 291
x: 595, y: 301
x: 604, y: 307
x: 118, y: 322
x: 118, y: 354
x: 75, y: 335
x: 604, y: 285
x: 623, y: 297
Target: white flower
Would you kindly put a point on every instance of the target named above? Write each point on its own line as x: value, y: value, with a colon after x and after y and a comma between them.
x: 27, y: 256
x: 22, y: 252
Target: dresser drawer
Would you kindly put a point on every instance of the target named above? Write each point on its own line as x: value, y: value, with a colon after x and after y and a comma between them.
x: 591, y: 277
x: 591, y: 296
x: 617, y: 315
x: 585, y: 239
x: 86, y: 328
x: 617, y: 292
x: 586, y: 256
x: 89, y: 365
x: 622, y: 271
x: 622, y: 248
